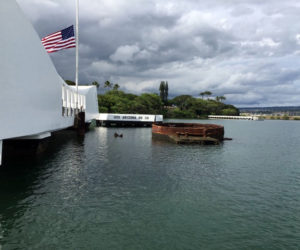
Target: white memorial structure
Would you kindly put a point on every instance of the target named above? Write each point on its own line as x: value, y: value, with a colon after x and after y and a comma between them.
x: 35, y: 100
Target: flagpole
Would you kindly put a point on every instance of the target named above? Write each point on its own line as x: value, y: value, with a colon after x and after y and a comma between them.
x: 77, y: 50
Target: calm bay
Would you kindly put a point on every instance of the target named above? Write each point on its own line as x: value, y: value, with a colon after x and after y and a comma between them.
x: 102, y: 192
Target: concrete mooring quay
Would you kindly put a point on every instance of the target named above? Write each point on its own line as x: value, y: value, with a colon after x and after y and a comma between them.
x: 232, y: 117
x: 128, y: 120
x: 189, y: 133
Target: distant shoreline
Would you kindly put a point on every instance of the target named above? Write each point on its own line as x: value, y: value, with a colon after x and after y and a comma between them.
x: 284, y: 117
x: 265, y: 117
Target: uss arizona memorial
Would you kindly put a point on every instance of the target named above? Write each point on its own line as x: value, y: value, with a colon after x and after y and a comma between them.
x: 35, y: 100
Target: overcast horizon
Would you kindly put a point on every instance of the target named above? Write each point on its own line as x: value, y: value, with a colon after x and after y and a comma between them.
x: 246, y: 50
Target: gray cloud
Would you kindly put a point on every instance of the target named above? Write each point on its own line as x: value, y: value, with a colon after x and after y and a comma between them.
x: 247, y: 50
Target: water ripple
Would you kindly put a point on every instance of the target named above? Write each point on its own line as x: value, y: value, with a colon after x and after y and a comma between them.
x: 102, y: 192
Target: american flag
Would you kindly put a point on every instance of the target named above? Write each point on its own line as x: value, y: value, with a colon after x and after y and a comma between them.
x: 63, y: 39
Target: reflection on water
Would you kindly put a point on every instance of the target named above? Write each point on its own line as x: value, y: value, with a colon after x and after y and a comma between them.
x: 102, y: 192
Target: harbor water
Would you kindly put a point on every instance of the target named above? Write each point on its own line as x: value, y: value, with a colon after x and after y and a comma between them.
x: 103, y: 192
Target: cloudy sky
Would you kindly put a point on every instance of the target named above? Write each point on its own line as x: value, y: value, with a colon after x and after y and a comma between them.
x: 246, y: 50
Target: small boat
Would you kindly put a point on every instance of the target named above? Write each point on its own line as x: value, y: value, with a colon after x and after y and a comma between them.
x: 118, y: 135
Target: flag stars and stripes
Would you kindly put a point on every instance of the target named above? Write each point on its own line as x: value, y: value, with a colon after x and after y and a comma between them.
x: 59, y: 40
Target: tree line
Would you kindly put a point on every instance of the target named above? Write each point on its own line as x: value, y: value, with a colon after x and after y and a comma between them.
x: 115, y: 100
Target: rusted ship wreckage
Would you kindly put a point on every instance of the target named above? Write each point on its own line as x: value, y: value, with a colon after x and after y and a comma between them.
x: 189, y: 133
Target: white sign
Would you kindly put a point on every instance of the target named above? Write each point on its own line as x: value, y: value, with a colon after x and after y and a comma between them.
x: 130, y: 117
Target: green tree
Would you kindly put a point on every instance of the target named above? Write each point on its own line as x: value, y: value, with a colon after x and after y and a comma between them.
x: 177, y: 113
x: 105, y: 103
x: 69, y: 82
x: 116, y: 101
x: 206, y: 93
x: 162, y: 87
x: 108, y: 84
x: 116, y: 86
x: 183, y: 106
x: 166, y: 93
x: 183, y: 102
x: 202, y: 94
x: 95, y: 83
x: 229, y: 111
x: 151, y: 102
x: 220, y: 98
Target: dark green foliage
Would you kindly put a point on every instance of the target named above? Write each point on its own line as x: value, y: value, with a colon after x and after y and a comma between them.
x: 229, y: 111
x: 220, y: 98
x: 183, y: 106
x: 183, y: 102
x: 116, y: 86
x: 164, y: 92
x: 191, y: 107
x: 161, y: 90
x: 285, y: 117
x: 108, y: 84
x: 71, y: 83
x: 95, y: 83
x: 178, y: 113
x: 205, y: 93
x: 116, y: 101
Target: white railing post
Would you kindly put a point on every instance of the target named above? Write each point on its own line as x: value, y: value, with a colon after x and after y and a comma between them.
x: 1, y: 142
x: 69, y: 101
x: 84, y: 103
x: 64, y: 96
x: 64, y: 100
x: 80, y: 102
